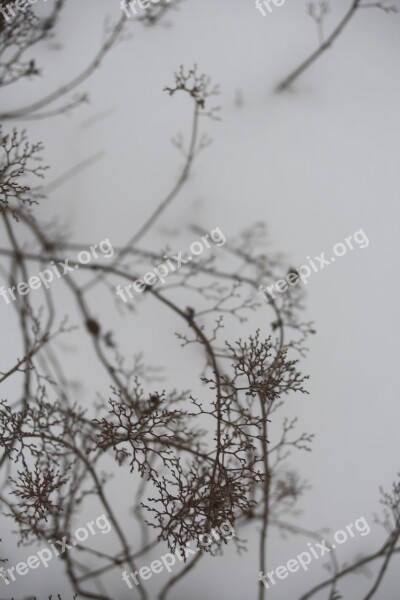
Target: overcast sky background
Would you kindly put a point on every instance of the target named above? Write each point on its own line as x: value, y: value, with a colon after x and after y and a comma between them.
x: 316, y: 164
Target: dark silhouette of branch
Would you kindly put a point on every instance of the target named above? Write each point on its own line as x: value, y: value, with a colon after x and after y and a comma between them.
x: 30, y: 109
x: 355, y: 4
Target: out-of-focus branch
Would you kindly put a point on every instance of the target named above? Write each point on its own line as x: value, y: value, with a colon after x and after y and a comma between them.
x: 323, y: 47
x: 383, y: 552
x: 27, y: 111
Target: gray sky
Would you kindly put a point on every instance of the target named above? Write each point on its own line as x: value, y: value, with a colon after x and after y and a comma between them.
x: 316, y: 164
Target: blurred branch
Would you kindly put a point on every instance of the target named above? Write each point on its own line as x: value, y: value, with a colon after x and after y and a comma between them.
x: 324, y: 46
x: 28, y: 110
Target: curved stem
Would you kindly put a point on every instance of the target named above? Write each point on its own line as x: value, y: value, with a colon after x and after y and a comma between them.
x: 324, y: 46
x: 265, y: 514
x: 174, y: 580
x: 349, y: 569
x: 103, y: 499
x: 163, y: 205
x: 168, y: 199
x: 65, y: 89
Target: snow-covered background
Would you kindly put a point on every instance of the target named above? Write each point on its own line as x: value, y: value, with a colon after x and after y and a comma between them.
x: 316, y: 163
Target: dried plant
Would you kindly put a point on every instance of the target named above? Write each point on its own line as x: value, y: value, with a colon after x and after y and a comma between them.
x: 17, y: 161
x: 319, y: 14
x: 56, y: 455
